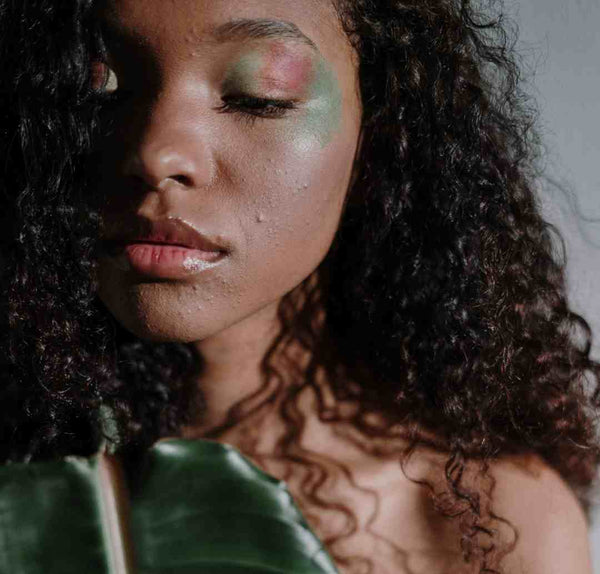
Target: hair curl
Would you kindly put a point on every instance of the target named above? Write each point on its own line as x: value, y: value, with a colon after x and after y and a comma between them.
x: 443, y: 294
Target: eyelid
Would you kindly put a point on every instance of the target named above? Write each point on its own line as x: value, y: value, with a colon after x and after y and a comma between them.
x: 256, y: 107
x: 253, y: 98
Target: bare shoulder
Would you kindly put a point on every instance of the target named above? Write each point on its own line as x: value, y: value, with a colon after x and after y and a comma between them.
x: 534, y: 507
x: 552, y: 530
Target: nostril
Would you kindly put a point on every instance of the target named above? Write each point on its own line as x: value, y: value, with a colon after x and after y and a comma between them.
x: 182, y: 180
x: 140, y: 183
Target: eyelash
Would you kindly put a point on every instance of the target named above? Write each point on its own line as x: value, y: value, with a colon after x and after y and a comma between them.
x: 252, y: 108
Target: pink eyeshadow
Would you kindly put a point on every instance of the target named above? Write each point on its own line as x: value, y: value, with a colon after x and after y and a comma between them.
x: 283, y: 69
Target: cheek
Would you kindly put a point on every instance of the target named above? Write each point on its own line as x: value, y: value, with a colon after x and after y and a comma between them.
x: 290, y: 223
x: 294, y: 179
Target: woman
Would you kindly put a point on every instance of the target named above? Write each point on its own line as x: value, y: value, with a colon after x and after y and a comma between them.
x: 318, y: 242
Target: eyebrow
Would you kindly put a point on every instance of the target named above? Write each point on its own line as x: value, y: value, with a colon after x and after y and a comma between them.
x: 232, y: 30
x: 261, y: 28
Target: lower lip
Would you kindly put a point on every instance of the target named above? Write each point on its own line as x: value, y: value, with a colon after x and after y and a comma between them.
x: 165, y: 261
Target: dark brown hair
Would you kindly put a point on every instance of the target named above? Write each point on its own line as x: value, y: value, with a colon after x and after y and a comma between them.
x: 443, y: 295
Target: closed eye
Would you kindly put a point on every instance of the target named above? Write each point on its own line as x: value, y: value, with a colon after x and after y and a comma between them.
x: 254, y: 107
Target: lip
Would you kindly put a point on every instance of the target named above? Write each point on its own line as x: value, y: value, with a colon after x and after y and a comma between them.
x: 170, y: 248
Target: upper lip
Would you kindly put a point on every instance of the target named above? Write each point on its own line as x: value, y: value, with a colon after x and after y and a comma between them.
x: 171, y: 231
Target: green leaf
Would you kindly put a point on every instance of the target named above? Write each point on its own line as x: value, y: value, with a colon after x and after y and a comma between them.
x: 191, y: 507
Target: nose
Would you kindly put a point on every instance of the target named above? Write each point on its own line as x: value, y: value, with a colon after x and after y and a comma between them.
x: 170, y: 145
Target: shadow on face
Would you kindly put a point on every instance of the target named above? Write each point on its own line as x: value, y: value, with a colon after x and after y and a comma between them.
x: 232, y: 123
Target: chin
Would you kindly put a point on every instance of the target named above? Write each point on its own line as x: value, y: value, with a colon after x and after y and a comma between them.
x: 171, y: 327
x: 168, y: 334
x: 160, y: 323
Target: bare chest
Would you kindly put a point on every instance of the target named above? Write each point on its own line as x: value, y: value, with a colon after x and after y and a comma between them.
x: 369, y: 515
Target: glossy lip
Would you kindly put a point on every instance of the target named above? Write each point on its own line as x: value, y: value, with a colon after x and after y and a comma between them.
x: 170, y: 231
x: 169, y: 248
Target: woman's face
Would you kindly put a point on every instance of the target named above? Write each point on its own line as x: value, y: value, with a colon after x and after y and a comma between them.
x: 235, y: 119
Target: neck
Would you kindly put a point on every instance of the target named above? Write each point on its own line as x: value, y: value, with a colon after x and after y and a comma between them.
x: 232, y: 366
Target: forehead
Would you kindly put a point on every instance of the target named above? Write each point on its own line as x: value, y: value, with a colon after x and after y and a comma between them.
x: 177, y: 23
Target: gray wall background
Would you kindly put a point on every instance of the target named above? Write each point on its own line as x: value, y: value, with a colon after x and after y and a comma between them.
x: 560, y: 44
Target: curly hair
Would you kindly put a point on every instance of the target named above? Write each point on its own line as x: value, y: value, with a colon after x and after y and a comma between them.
x: 442, y: 298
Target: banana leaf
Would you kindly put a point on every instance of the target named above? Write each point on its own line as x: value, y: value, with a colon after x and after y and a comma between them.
x: 190, y: 507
